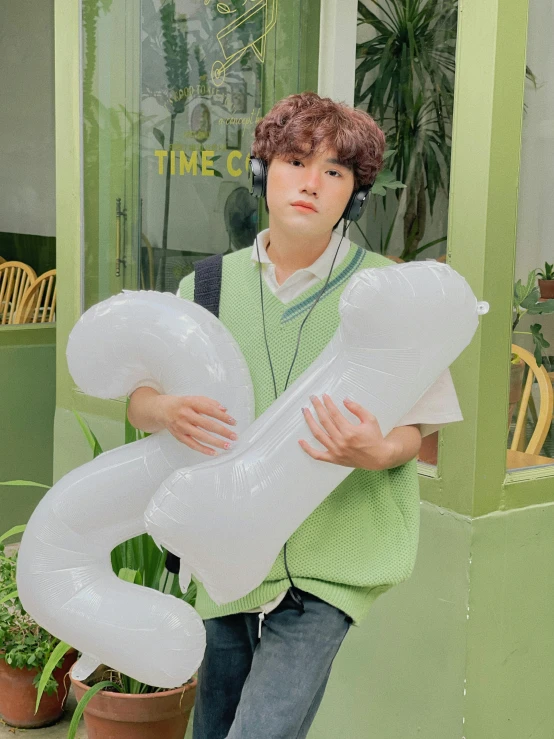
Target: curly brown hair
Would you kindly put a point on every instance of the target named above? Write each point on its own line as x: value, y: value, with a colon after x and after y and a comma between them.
x: 303, y: 124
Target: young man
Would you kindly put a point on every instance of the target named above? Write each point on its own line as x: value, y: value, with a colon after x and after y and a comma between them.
x: 269, y: 655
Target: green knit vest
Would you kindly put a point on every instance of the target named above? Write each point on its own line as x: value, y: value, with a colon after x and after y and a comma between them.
x: 362, y: 539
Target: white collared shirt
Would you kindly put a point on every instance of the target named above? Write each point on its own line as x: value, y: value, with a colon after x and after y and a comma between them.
x: 304, y: 278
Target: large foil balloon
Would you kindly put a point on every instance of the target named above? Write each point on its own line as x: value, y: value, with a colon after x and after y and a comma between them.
x: 64, y: 572
x: 227, y: 518
x: 400, y: 328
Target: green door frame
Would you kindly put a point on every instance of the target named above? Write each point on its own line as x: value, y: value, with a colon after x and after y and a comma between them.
x: 490, y: 74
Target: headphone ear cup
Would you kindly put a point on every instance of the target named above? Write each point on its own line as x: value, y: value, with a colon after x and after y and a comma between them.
x: 258, y: 169
x: 357, y: 204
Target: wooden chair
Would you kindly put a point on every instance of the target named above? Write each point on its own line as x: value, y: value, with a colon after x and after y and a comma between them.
x: 39, y: 302
x: 15, y: 280
x: 546, y: 407
x: 2, y: 260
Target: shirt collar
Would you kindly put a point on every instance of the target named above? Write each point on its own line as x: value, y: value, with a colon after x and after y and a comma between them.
x: 322, y: 264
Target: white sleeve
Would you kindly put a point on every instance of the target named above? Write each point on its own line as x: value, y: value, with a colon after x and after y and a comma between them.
x: 437, y: 407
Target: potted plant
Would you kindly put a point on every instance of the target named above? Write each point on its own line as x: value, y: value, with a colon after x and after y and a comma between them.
x: 33, y: 664
x: 115, y: 704
x: 546, y: 281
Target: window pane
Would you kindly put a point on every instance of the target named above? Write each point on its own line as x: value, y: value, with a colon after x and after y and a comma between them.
x: 172, y: 92
x: 534, y: 330
x: 405, y: 80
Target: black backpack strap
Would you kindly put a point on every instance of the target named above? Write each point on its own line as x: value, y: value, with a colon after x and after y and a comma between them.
x: 207, y: 282
x: 207, y: 290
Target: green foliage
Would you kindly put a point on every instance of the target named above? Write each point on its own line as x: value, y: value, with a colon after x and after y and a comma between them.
x: 23, y: 642
x: 547, y: 273
x: 176, y: 54
x: 527, y: 300
x: 410, y: 61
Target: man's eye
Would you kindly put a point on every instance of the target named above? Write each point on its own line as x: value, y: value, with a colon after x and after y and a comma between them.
x: 334, y: 172
x: 294, y: 162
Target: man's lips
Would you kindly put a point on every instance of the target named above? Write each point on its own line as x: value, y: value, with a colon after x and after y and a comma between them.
x: 305, y: 206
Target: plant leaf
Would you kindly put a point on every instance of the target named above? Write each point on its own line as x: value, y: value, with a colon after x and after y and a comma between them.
x: 61, y: 649
x: 13, y: 531
x: 26, y: 483
x: 89, y: 435
x: 87, y: 697
x: 547, y: 306
x: 9, y: 596
x: 160, y: 137
x: 132, y: 576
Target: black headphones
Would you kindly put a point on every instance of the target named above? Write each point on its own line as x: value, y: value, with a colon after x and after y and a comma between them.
x: 354, y: 208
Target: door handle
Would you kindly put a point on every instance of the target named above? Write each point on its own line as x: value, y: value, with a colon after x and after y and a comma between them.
x: 120, y: 215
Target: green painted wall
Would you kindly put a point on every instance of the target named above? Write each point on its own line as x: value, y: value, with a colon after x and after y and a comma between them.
x: 401, y: 673
x: 465, y: 648
x: 27, y: 403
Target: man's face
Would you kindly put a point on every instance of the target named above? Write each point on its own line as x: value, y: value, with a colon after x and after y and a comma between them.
x: 319, y: 182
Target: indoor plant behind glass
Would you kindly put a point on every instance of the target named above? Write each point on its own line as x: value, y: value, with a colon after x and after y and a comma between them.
x: 527, y: 300
x: 546, y: 281
x: 115, y: 704
x: 28, y: 654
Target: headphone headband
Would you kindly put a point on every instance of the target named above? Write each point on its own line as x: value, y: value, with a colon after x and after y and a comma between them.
x: 354, y: 208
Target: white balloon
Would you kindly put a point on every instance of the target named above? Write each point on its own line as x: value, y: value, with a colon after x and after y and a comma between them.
x: 227, y: 518
x: 401, y: 327
x: 64, y: 572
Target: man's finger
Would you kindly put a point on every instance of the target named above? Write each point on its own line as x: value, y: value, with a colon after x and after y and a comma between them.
x: 315, y: 453
x: 358, y: 410
x: 340, y: 421
x: 318, y: 433
x: 324, y: 417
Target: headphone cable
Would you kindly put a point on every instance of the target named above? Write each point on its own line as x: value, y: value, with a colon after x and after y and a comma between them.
x: 295, y: 593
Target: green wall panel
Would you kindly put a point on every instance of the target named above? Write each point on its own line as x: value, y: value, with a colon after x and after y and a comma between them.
x: 401, y: 673
x: 72, y: 449
x: 510, y: 655
x: 27, y: 403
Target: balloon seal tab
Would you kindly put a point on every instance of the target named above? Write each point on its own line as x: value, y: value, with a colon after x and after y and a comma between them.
x: 482, y: 307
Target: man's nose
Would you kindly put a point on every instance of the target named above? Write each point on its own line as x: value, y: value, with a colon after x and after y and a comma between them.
x: 312, y: 181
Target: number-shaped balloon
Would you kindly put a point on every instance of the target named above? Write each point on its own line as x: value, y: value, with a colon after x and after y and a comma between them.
x: 64, y: 572
x: 400, y: 328
x: 227, y: 518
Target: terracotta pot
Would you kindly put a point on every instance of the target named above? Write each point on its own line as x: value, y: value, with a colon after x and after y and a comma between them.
x: 125, y: 716
x: 18, y: 695
x: 546, y: 288
x: 516, y: 387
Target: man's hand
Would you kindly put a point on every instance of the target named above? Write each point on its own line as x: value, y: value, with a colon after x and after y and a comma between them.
x: 193, y: 420
x: 362, y: 445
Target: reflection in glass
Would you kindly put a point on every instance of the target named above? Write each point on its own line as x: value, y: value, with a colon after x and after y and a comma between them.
x: 172, y: 92
x: 200, y: 101
x: 405, y: 80
x: 530, y: 411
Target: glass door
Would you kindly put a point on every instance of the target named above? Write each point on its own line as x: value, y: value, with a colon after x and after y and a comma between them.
x: 172, y: 92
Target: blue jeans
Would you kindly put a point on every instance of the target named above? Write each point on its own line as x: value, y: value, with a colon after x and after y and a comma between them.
x: 269, y: 688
